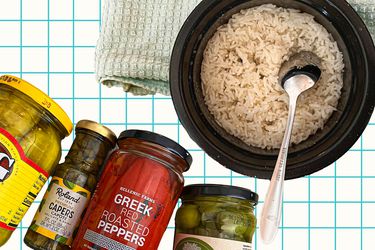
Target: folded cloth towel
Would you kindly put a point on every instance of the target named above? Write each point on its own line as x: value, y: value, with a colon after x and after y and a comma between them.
x: 137, y: 38
x: 136, y: 41
x: 366, y: 9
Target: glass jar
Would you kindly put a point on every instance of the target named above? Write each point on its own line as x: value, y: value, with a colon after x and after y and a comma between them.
x: 136, y: 194
x: 32, y: 126
x: 69, y: 192
x: 215, y: 217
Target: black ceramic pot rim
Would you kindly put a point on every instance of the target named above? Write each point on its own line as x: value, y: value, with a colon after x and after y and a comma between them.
x: 211, y: 142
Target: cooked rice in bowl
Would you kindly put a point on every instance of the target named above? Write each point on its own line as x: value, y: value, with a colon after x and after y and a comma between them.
x: 240, y: 71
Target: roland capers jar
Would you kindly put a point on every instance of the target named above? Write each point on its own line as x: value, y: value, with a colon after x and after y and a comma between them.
x: 215, y: 217
x: 32, y: 126
x: 68, y: 194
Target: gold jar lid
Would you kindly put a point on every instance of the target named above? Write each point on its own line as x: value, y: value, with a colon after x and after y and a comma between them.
x: 98, y: 128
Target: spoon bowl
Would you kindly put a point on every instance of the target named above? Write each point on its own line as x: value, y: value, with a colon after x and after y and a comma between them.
x: 298, y: 84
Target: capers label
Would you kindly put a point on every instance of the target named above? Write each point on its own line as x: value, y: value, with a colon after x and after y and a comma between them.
x: 60, y: 210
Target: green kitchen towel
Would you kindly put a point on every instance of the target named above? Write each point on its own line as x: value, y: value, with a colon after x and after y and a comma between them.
x: 136, y: 41
x: 137, y: 38
x: 366, y: 9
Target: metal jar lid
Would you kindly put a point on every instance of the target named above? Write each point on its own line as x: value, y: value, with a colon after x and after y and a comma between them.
x: 220, y: 190
x: 97, y: 128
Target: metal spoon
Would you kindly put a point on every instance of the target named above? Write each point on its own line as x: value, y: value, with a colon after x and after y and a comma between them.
x: 297, y: 75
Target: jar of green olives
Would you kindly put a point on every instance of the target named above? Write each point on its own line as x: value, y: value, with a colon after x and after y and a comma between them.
x: 215, y: 217
x: 32, y: 126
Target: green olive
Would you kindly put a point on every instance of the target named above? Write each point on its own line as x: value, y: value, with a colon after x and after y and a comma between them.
x: 188, y: 216
x: 229, y: 218
x: 209, y: 210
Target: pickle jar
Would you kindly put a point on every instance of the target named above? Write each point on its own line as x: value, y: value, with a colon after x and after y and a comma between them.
x: 215, y: 217
x: 69, y: 191
x: 136, y: 194
x: 32, y: 126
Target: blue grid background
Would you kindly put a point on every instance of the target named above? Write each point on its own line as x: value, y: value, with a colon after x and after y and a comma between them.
x: 51, y: 43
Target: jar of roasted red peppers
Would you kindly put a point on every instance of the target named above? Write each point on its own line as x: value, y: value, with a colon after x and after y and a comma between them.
x: 136, y: 194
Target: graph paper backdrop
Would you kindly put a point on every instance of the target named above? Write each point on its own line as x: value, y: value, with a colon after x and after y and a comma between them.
x: 51, y: 43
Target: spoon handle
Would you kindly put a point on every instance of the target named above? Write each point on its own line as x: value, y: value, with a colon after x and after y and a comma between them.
x: 271, y: 213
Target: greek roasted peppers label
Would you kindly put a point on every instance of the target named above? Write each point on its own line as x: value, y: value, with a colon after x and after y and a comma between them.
x: 60, y: 211
x: 20, y: 181
x: 126, y: 224
x: 196, y: 242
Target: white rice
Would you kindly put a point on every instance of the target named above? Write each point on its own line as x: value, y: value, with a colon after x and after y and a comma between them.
x: 240, y: 75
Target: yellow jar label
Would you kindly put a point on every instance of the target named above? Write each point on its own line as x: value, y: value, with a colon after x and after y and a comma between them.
x: 20, y: 181
x: 61, y: 210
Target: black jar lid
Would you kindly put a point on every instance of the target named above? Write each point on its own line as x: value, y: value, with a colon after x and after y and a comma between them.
x: 161, y: 140
x: 220, y: 190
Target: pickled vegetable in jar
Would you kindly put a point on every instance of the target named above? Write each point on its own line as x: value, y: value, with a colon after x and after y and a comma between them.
x: 136, y: 194
x: 32, y: 127
x: 69, y: 192
x: 215, y: 217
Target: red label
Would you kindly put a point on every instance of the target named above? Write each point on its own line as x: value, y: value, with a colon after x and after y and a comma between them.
x: 131, y: 206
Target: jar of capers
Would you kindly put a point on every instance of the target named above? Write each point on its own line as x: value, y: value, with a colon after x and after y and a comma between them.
x: 32, y: 126
x: 68, y: 194
x: 215, y: 217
